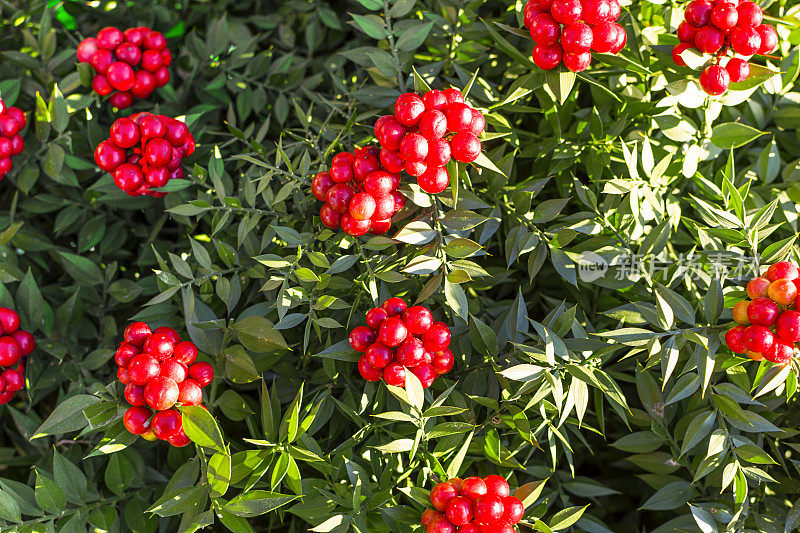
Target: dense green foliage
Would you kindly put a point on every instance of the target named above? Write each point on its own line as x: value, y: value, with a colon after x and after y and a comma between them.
x: 613, y: 398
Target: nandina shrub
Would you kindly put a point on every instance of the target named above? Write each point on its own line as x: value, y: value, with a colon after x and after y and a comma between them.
x: 588, y: 264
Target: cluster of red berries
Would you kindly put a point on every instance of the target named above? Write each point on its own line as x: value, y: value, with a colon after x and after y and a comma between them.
x: 359, y: 195
x: 568, y: 30
x: 768, y: 324
x: 115, y: 56
x: 159, y: 371
x: 15, y: 345
x: 12, y: 120
x: 145, y: 152
x: 425, y: 132
x: 398, y: 338
x: 473, y: 505
x: 722, y: 28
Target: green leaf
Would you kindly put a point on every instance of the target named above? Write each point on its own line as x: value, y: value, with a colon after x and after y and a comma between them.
x: 201, y: 428
x: 259, y: 335
x: 257, y: 503
x: 67, y: 416
x: 734, y: 135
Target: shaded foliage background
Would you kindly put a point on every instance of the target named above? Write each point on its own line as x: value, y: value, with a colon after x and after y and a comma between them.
x: 612, y: 402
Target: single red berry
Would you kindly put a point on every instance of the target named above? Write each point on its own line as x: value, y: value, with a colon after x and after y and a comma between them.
x: 459, y: 511
x: 435, y: 179
x: 596, y: 11
x: 124, y: 133
x: 758, y: 287
x: 715, y: 80
x: 389, y: 132
x: 10, y: 352
x: 137, y: 419
x: 125, y: 353
x: 739, y: 313
x: 440, y: 524
x: 473, y: 488
x: 25, y: 340
x: 477, y: 125
x: 135, y: 35
x: 442, y: 361
x: 686, y: 32
x: 376, y: 316
x: 5, y: 147
x: 144, y: 85
x: 151, y: 126
x: 781, y: 351
x: 9, y: 321
x: 120, y: 76
x: 87, y: 49
x: 362, y: 206
x: 395, y: 306
x: 393, y: 331
x: 433, y: 124
x: 128, y: 177
x: 378, y: 183
x: 176, y: 133
x: 545, y: 31
x: 161, y: 77
x: 418, y: 319
x: 353, y: 227
x: 788, y: 326
x: 745, y: 41
x: 379, y: 355
x: 439, y: 153
x: 362, y: 337
x: 763, y: 312
x: 758, y: 338
x: 428, y: 515
x: 158, y: 152
x: 698, y: 13
x: 367, y: 371
x: 577, y: 62
x: 782, y: 270
x: 329, y: 217
x: 136, y: 333
x: 155, y: 41
x: 121, y: 100
x: 13, y: 379
x: 425, y: 373
x: 734, y: 339
x: 441, y: 494
x: 391, y: 160
x: 459, y: 117
x: 576, y: 38
x: 453, y: 96
x: 725, y: 17
x: 134, y: 394
x: 434, y: 99
x: 160, y: 345
x: 466, y: 147
x: 156, y: 176
x: 414, y: 147
x: 497, y: 485
x: 174, y: 370
x: 339, y: 197
x: 566, y: 11
x: 189, y: 392
x: 738, y: 69
x: 202, y: 373
x: 167, y: 423
x: 101, y: 60
x: 151, y: 60
x: 364, y: 165
x: 408, y: 109
x: 109, y: 156
x: 166, y: 57
x: 709, y: 40
x: 384, y: 208
x: 782, y: 291
x: 101, y: 85
x: 129, y: 53
x: 344, y: 158
x: 321, y: 184
x: 769, y: 39
x: 410, y: 352
x: 179, y: 439
x: 395, y: 374
x: 514, y: 510
x: 109, y: 38
x: 123, y: 375
x: 750, y: 14
x: 342, y: 172
x: 489, y: 509
x: 143, y: 368
x: 437, y: 338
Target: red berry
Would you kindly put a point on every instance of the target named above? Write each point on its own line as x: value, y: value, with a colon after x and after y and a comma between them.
x: 408, y: 109
x: 497, y: 485
x: 121, y: 100
x: 389, y: 132
x: 101, y: 86
x: 151, y: 60
x: 329, y: 217
x: 86, y: 49
x: 425, y: 373
x: 709, y: 40
x: 715, y: 80
x: 459, y: 511
x: 156, y: 176
x: 734, y: 339
x: 615, y: 10
x: 176, y: 133
x: 13, y: 379
x: 129, y: 53
x: 167, y: 423
x: 738, y: 69
x: 566, y: 11
x: 384, y: 209
x: 530, y: 12
x: 125, y: 353
x: 758, y: 287
x: 341, y: 172
x: 466, y: 147
x: 576, y: 38
x: 134, y: 394
x: 5, y: 147
x: 144, y: 84
x: 391, y: 160
x: 395, y: 374
x: 189, y: 392
x: 437, y: 338
x: 724, y: 16
x: 453, y: 96
x: 9, y: 321
x: 782, y: 291
x: 788, y: 326
x: 442, y: 361
x: 161, y: 77
x: 25, y: 340
x: 362, y: 338
x: 202, y: 373
x: 399, y: 200
x: 353, y: 227
x: 414, y: 147
x: 514, y: 510
x: 477, y: 125
x: 378, y: 355
x: 376, y: 316
x: 677, y: 51
x: 395, y: 306
x: 782, y: 270
x: 143, y: 368
x: 459, y: 117
x: 750, y: 14
x: 763, y: 312
x: 435, y: 179
x: 109, y: 38
x: 758, y: 338
x: 101, y: 60
x: 158, y: 152
x: 393, y: 331
x: 160, y: 345
x: 123, y: 376
x: 174, y: 370
x: 10, y: 351
x: 686, y: 32
x: 745, y: 41
x: 577, y: 62
x: 339, y: 197
x: 440, y: 524
x: 410, y: 352
x: 781, y: 351
x: 367, y: 371
x: 321, y: 184
x: 362, y: 206
x: 439, y: 153
x: 428, y: 515
x: 489, y: 509
x: 545, y: 31
x: 179, y: 439
x: 154, y: 41
x: 473, y: 488
x: 433, y: 124
x: 596, y: 11
x: 135, y: 35
x: 151, y: 126
x: 441, y: 494
x: 698, y: 13
x: 137, y: 419
x: 128, y: 177
x: 108, y: 156
x: 124, y: 133
x: 434, y: 99
x: 364, y: 165
x: 418, y: 319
